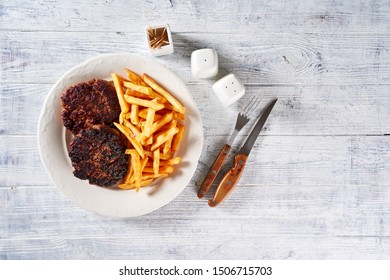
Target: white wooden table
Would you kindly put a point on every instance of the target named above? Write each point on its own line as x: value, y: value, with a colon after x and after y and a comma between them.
x: 317, y: 184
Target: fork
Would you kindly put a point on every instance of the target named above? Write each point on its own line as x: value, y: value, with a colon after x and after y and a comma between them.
x: 242, y: 120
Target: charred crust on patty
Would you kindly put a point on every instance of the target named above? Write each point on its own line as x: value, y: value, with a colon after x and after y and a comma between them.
x: 98, y: 155
x: 89, y: 103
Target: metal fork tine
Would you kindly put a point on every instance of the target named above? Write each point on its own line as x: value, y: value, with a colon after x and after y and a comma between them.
x: 254, y: 101
x: 248, y: 104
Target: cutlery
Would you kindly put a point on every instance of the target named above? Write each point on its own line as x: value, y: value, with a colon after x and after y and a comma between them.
x: 242, y: 120
x: 231, y: 178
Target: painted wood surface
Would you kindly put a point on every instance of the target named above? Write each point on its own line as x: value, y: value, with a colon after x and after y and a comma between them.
x: 317, y: 183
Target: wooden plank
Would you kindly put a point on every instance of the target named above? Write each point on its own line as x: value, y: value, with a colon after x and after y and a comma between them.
x: 301, y: 110
x: 20, y: 162
x: 256, y: 17
x: 296, y: 210
x: 277, y: 59
x: 231, y: 248
x: 350, y: 222
x: 22, y: 105
x: 60, y: 247
x: 275, y: 161
x: 301, y: 160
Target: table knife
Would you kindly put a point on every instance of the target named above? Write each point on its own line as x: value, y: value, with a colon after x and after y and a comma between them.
x: 232, y: 177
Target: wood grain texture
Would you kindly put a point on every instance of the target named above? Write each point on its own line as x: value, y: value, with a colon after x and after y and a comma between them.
x: 317, y: 182
x: 199, y: 16
x: 322, y: 222
x: 277, y: 59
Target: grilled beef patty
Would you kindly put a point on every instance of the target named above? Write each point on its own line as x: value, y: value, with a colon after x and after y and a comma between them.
x: 89, y: 103
x: 98, y: 155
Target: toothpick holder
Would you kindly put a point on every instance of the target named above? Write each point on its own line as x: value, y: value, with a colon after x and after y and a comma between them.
x: 159, y: 39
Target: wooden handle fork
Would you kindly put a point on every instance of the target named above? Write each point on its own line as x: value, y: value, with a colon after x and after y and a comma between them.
x: 214, y: 170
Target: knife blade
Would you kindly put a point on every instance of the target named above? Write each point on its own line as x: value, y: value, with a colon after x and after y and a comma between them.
x: 232, y: 177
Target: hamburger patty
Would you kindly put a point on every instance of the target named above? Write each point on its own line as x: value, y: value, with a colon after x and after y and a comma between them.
x: 98, y: 155
x: 90, y: 103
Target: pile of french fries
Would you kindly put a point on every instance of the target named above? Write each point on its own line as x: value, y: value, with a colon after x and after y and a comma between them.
x: 152, y: 121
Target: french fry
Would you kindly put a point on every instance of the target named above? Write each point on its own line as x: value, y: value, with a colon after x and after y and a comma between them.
x: 122, y: 117
x: 144, y: 112
x: 162, y: 169
x: 127, y: 132
x: 129, y: 172
x: 153, y: 84
x: 149, y: 122
x: 129, y: 186
x: 135, y: 78
x: 156, y: 161
x: 143, y: 89
x: 155, y: 127
x: 177, y: 139
x: 143, y: 102
x: 163, y: 121
x: 162, y: 137
x: 138, y: 94
x: 168, y: 143
x: 134, y: 113
x: 135, y: 130
x: 178, y: 116
x: 170, y: 107
x: 162, y: 156
x: 119, y: 91
x: 167, y: 146
x: 136, y: 166
x: 130, y: 179
x: 169, y: 162
x: 142, y: 138
x: 144, y: 161
x: 149, y: 140
x: 173, y: 161
x: 148, y: 176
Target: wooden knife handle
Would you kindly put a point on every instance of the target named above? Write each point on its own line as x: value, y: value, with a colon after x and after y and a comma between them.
x: 229, y: 181
x: 214, y: 170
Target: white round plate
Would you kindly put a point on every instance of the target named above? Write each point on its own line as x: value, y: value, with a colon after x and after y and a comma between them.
x: 113, y: 201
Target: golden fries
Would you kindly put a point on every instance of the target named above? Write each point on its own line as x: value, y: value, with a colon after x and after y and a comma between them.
x: 142, y: 102
x: 142, y: 91
x: 177, y: 139
x: 151, y: 119
x: 127, y: 132
x: 156, y: 161
x: 119, y: 91
x: 163, y: 137
x: 136, y: 166
x: 135, y: 78
x: 134, y: 113
x: 135, y: 130
x: 145, y: 90
x: 176, y: 104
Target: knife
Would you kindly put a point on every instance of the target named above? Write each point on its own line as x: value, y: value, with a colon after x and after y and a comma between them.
x: 232, y: 177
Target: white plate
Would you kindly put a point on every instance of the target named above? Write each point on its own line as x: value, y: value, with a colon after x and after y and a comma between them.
x: 112, y: 201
